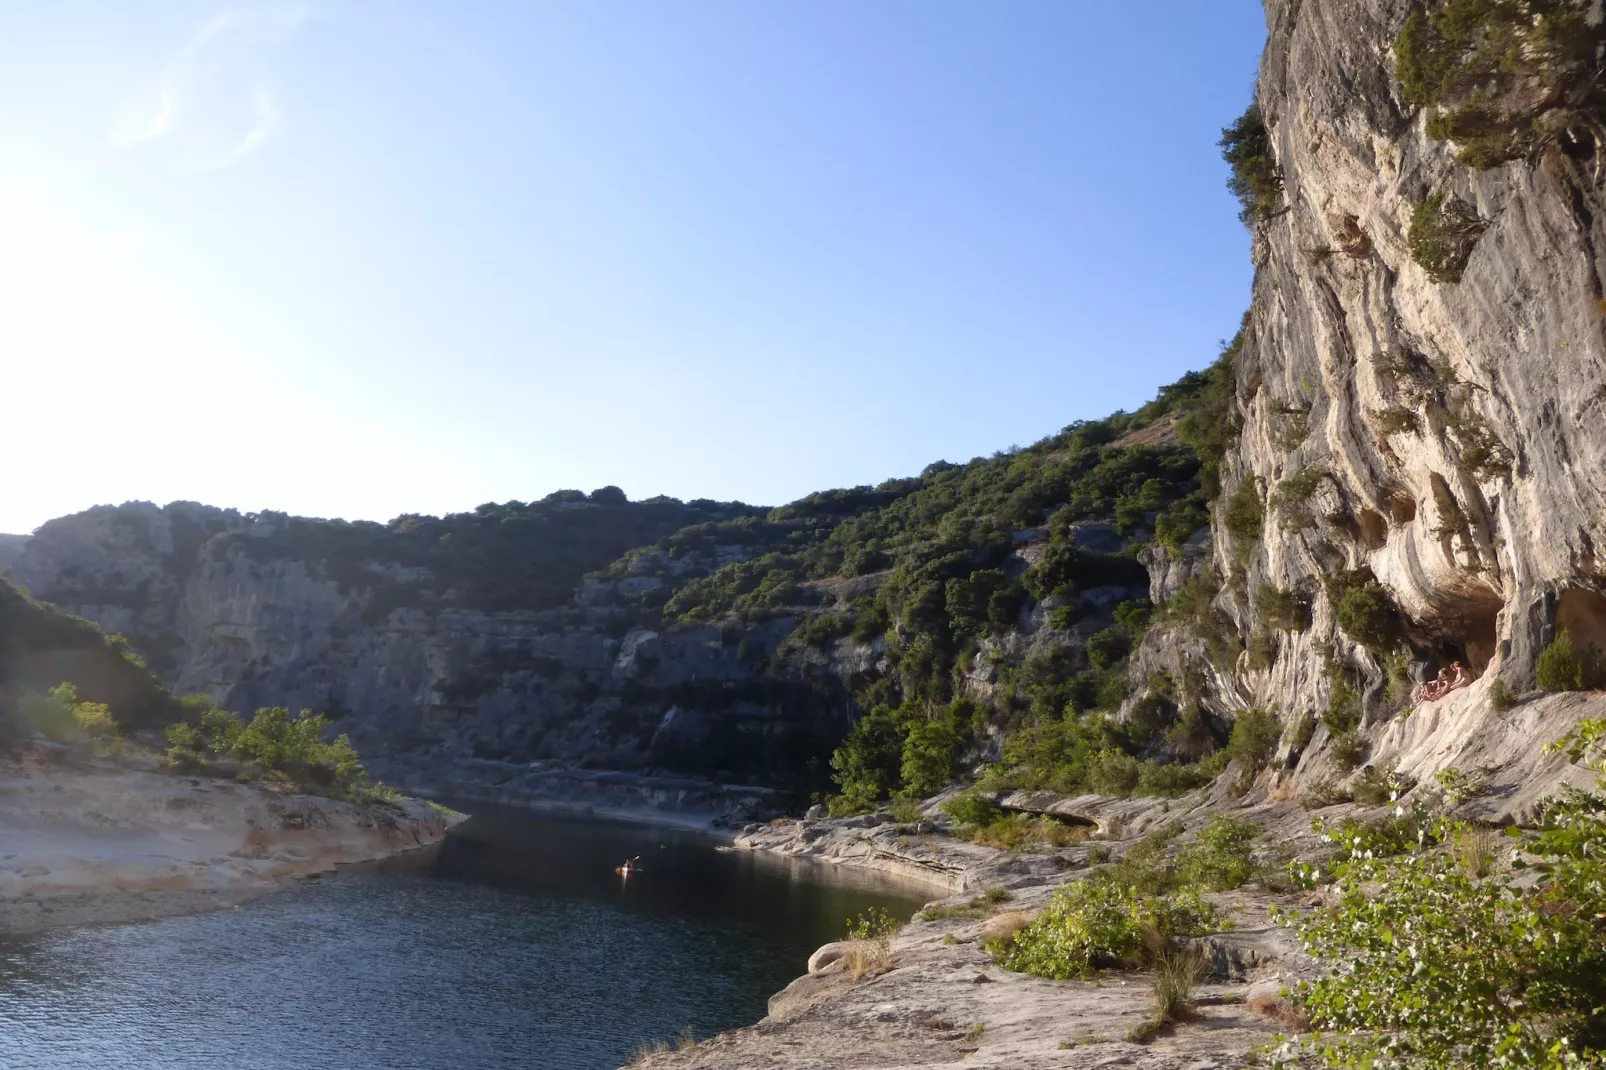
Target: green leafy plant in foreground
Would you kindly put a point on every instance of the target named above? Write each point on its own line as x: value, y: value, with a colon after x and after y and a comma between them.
x: 1091, y: 925
x: 1434, y: 968
x: 870, y: 938
x: 873, y: 924
x: 1219, y: 859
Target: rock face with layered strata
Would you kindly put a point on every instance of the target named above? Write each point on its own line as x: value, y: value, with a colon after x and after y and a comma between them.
x: 1445, y: 438
x: 245, y: 609
x: 217, y: 607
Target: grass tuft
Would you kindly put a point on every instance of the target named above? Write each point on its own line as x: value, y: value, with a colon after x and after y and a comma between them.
x: 1474, y: 848
x: 1176, y: 974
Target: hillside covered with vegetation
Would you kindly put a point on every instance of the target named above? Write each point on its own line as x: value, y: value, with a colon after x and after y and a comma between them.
x: 991, y: 614
x: 42, y: 647
x: 64, y: 681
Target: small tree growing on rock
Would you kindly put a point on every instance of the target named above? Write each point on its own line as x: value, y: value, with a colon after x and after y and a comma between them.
x: 1443, y: 232
x: 1564, y: 666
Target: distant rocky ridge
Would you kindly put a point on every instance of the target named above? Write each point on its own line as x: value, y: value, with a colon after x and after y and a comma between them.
x: 221, y: 603
x: 425, y: 686
x: 11, y: 547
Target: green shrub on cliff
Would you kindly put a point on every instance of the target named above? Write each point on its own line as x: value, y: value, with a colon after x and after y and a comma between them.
x: 1243, y: 514
x: 1092, y: 925
x: 1502, y: 78
x: 1564, y: 666
x: 1287, y: 611
x: 1366, y: 612
x: 1256, y: 180
x: 1255, y: 735
x: 1444, y: 230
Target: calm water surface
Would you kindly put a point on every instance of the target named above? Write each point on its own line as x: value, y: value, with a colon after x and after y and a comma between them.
x: 515, y: 945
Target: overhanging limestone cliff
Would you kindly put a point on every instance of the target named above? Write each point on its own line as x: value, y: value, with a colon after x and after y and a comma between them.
x: 1422, y: 449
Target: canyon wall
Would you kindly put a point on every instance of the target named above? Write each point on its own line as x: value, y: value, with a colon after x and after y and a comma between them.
x: 1440, y: 436
x: 217, y: 606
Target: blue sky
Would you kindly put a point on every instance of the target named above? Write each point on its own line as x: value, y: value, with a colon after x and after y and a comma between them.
x: 359, y: 259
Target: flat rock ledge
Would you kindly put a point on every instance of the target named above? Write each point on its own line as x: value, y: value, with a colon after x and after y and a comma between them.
x: 876, y: 843
x: 116, y: 842
x: 944, y: 1003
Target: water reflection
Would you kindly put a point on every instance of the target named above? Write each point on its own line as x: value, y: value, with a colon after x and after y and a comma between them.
x: 515, y: 945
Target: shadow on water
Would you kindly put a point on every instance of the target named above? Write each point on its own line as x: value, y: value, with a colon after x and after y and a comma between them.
x: 515, y: 944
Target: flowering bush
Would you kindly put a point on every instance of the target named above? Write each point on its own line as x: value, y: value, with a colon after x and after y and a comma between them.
x: 1434, y: 968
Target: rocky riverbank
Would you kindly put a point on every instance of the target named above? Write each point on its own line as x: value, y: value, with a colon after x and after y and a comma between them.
x: 118, y: 841
x: 555, y: 788
x: 943, y: 1002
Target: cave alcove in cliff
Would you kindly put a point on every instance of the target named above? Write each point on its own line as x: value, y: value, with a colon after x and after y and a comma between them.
x: 1373, y: 528
x: 1402, y: 509
x: 1471, y: 638
x: 1581, y: 614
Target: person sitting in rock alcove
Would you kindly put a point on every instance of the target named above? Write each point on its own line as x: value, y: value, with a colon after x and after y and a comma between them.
x: 1452, y: 677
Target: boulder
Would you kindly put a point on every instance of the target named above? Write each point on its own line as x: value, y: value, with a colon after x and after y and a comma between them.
x: 828, y: 955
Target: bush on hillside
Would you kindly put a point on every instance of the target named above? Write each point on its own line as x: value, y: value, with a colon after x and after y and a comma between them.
x: 1218, y: 860
x: 930, y: 757
x: 1093, y: 925
x: 1286, y: 611
x: 1291, y: 498
x: 1366, y: 612
x: 41, y: 647
x: 1564, y: 666
x: 290, y: 745
x: 1256, y: 180
x: 972, y: 808
x: 1243, y: 515
x: 1167, y: 780
x: 1349, y: 750
x: 1444, y: 231
x: 1343, y: 713
x: 1502, y: 78
x: 59, y: 715
x: 1255, y: 735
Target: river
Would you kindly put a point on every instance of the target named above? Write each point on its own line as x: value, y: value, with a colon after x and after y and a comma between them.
x: 514, y: 944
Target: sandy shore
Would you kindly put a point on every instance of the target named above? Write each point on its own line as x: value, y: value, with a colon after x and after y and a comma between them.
x: 112, y: 842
